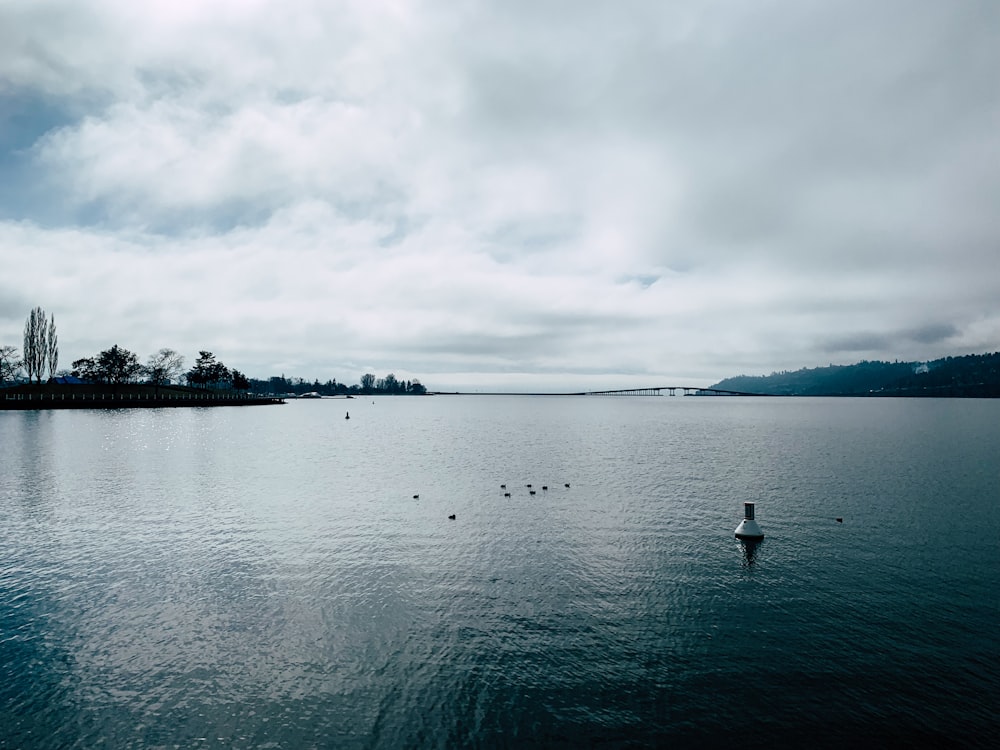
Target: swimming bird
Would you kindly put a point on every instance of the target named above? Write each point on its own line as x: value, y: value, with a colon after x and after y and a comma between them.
x: 451, y: 517
x: 531, y: 492
x: 348, y: 415
x: 416, y: 497
x: 566, y: 485
x: 545, y: 486
x: 840, y: 520
x: 528, y: 486
x: 503, y: 486
x: 506, y: 494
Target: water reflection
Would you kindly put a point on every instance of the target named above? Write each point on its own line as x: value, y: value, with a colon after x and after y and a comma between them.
x: 749, y: 549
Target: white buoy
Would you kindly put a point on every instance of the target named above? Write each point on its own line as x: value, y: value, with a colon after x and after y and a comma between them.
x: 748, y: 528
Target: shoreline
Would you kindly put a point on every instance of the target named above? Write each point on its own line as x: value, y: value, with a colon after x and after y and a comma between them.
x: 131, y: 398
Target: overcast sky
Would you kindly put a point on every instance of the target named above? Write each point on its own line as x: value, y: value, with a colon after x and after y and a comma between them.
x: 519, y: 194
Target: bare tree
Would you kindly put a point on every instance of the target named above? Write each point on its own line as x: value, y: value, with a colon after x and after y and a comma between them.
x: 164, y: 366
x: 10, y: 363
x: 35, y: 344
x: 52, y: 347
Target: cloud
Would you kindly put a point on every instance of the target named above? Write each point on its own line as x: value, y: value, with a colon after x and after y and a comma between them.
x: 933, y: 333
x: 514, y: 190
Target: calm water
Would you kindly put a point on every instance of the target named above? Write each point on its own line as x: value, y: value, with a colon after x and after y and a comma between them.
x: 263, y: 576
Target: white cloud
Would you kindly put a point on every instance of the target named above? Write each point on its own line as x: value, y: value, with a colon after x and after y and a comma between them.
x: 526, y: 192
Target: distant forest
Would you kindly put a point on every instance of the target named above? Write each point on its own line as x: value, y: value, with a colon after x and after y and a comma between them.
x: 389, y: 385
x: 974, y: 375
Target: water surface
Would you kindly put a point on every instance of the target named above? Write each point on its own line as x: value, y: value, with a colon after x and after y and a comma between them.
x: 264, y: 577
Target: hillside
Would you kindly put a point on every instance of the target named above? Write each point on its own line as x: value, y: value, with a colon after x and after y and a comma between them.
x: 974, y: 375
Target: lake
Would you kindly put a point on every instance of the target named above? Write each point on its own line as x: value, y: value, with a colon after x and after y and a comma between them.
x: 265, y: 577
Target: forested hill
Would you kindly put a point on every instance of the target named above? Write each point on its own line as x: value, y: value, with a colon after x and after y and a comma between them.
x: 976, y: 375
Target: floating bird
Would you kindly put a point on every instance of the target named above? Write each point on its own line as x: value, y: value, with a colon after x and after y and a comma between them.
x: 545, y: 486
x: 528, y: 486
x: 451, y: 517
x: 566, y: 485
x: 503, y: 486
x: 416, y: 497
x: 348, y: 415
x: 506, y: 494
x: 531, y: 492
x: 840, y: 520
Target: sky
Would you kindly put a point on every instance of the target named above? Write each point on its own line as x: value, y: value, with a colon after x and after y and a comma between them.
x: 503, y: 195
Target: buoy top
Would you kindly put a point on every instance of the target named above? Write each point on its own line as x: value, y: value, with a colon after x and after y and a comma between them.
x: 748, y: 528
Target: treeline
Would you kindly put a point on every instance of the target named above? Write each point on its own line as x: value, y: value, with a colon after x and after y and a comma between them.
x: 119, y: 366
x: 976, y: 375
x: 369, y: 385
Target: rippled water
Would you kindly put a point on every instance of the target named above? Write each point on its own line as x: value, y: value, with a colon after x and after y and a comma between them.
x: 264, y: 577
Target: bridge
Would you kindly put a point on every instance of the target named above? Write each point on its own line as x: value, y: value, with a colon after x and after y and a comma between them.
x: 670, y: 389
x: 687, y: 390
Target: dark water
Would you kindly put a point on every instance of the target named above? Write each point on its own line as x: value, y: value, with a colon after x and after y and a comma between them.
x: 263, y: 577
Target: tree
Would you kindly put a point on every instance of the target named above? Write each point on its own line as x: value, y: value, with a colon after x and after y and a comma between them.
x: 41, y: 345
x: 367, y: 382
x: 278, y: 384
x: 114, y: 366
x: 164, y: 366
x: 390, y: 384
x: 240, y: 381
x: 35, y: 344
x: 207, y: 371
x: 52, y: 348
x: 10, y: 363
x: 117, y: 366
x: 86, y: 369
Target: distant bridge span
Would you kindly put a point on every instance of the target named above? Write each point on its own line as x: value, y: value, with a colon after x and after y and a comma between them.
x: 687, y: 390
x: 670, y: 389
